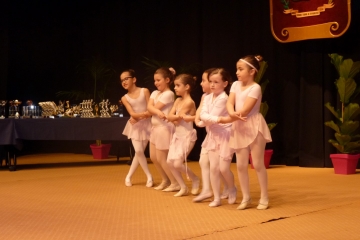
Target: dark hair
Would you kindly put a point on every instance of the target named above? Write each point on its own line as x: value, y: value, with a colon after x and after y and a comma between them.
x: 130, y: 71
x: 187, y: 79
x: 208, y: 71
x: 225, y: 76
x: 253, y: 60
x: 166, y: 73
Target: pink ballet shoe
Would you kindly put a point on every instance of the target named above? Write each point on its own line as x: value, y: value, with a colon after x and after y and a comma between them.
x: 128, y: 183
x: 182, y: 192
x: 244, y: 204
x: 225, y: 194
x: 263, y: 205
x: 195, y: 186
x: 215, y: 203
x: 161, y: 186
x: 232, y: 196
x: 172, y: 188
x: 202, y: 196
x: 149, y: 183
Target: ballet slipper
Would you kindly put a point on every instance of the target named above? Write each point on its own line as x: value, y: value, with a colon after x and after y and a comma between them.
x: 172, y: 188
x: 232, y: 196
x: 225, y: 194
x: 128, y: 182
x: 215, y: 203
x: 182, y: 192
x: 263, y: 205
x: 161, y: 186
x: 149, y: 183
x: 195, y: 186
x: 203, y: 196
x: 244, y: 204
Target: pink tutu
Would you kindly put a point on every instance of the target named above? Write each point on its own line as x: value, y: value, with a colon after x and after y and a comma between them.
x: 244, y: 133
x: 180, y: 144
x: 161, y: 136
x: 139, y: 131
x: 218, y: 140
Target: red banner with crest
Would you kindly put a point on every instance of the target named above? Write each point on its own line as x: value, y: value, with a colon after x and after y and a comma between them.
x: 296, y: 20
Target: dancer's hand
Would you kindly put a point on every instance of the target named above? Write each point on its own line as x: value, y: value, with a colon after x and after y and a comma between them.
x: 238, y: 116
x: 133, y: 121
x: 162, y: 116
x: 200, y: 124
x: 187, y: 118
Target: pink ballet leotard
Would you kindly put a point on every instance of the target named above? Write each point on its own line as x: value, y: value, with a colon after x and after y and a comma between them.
x: 161, y: 131
x: 243, y: 133
x: 141, y: 130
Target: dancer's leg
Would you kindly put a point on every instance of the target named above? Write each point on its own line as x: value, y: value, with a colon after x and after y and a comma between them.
x: 257, y: 155
x: 229, y: 179
x: 154, y: 158
x: 205, y: 173
x: 139, y: 147
x: 242, y: 162
x: 215, y: 177
x: 161, y: 155
x: 206, y: 191
x: 133, y: 167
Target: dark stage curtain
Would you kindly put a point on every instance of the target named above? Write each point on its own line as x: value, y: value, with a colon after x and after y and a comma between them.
x: 46, y: 41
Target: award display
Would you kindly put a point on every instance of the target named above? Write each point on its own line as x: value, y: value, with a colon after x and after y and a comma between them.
x: 2, y: 108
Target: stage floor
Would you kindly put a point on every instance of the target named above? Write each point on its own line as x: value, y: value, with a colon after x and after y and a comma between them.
x: 72, y: 196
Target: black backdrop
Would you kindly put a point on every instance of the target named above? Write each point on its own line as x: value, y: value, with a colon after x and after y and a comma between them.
x: 43, y: 41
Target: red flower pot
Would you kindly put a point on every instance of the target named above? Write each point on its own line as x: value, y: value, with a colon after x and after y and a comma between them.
x: 267, y: 157
x: 344, y: 163
x: 100, y: 152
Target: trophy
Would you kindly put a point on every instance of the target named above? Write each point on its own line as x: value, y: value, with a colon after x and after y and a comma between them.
x: 14, y: 109
x: 96, y: 110
x: 30, y: 111
x: 113, y: 109
x: 48, y: 109
x: 104, y: 112
x: 2, y: 108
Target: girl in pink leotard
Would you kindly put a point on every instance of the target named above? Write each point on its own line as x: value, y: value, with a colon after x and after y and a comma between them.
x: 138, y: 127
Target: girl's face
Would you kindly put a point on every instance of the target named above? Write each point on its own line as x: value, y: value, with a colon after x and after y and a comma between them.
x: 243, y: 72
x: 180, y: 88
x: 160, y: 82
x: 126, y: 80
x: 217, y: 85
x: 205, y: 83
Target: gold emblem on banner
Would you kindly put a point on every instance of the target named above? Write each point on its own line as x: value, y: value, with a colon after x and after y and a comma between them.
x: 296, y: 20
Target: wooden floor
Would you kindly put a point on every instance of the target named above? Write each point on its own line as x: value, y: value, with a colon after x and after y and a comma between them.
x: 72, y: 196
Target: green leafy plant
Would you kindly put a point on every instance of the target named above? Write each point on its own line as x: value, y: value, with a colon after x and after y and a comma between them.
x: 95, y: 74
x: 346, y: 125
x: 264, y: 107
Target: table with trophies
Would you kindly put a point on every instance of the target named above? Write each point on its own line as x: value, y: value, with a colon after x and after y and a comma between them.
x: 48, y: 121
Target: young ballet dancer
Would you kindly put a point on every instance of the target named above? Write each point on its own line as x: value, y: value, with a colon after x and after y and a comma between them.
x: 249, y: 130
x: 182, y: 115
x: 138, y: 127
x: 159, y: 105
x: 206, y: 191
x: 216, y: 141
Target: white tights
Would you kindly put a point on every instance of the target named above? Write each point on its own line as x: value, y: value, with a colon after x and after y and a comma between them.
x: 242, y: 162
x: 218, y: 168
x: 205, y: 174
x: 177, y: 167
x: 159, y: 157
x: 139, y: 159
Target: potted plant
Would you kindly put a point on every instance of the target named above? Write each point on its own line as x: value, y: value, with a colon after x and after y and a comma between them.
x: 264, y: 107
x: 100, y: 150
x: 346, y: 125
